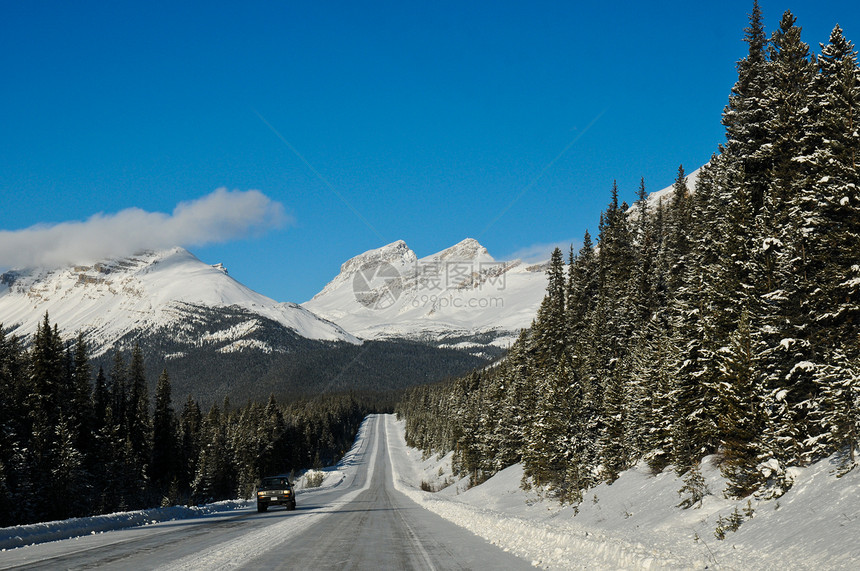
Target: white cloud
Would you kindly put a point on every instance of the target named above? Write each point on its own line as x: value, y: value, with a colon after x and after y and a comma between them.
x: 220, y: 216
x: 542, y: 252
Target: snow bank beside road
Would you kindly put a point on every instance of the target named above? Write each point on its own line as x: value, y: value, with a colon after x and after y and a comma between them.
x: 635, y: 522
x: 21, y: 535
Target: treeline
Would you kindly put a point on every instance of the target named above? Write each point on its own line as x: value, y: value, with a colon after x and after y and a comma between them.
x: 73, y: 445
x: 308, y: 368
x: 722, y: 320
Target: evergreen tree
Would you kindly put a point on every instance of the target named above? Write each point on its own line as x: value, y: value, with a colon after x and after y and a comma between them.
x: 678, y: 228
x: 707, y: 328
x: 139, y: 444
x: 550, y: 460
x: 549, y: 330
x: 101, y: 400
x: 643, y: 296
x: 745, y: 115
x: 70, y: 485
x: 118, y: 392
x: 516, y: 403
x: 79, y: 410
x: 581, y: 296
x: 191, y: 423
x: 614, y: 453
x: 14, y: 433
x: 165, y: 465
x: 46, y: 370
x: 787, y: 100
x: 215, y: 477
x: 657, y: 361
x: 831, y: 218
x: 742, y: 423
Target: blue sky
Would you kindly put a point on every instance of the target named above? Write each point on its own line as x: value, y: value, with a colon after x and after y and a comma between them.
x: 368, y: 122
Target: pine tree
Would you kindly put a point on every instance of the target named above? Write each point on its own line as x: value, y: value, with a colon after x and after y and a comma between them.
x: 191, y: 423
x: 611, y: 318
x: 836, y: 414
x: 782, y: 267
x: 43, y: 405
x: 745, y: 115
x: 831, y: 209
x: 643, y: 296
x: 581, y: 296
x: 694, y: 486
x: 550, y: 331
x: 708, y: 330
x: 215, y: 477
x: 657, y: 360
x: 837, y: 94
x: 787, y: 101
x: 165, y: 465
x: 678, y: 247
x: 138, y: 422
x: 70, y: 484
x: 614, y: 453
x: 551, y: 460
x: 692, y: 397
x: 782, y: 263
x: 118, y: 391
x: 515, y: 406
x: 14, y: 432
x: 742, y: 422
x: 79, y: 411
x: 101, y: 400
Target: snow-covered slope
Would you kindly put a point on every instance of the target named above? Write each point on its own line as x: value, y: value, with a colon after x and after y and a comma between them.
x: 636, y: 522
x: 460, y: 296
x: 153, y: 290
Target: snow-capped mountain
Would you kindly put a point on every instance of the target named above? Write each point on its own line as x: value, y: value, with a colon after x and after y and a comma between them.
x: 460, y: 297
x: 169, y: 290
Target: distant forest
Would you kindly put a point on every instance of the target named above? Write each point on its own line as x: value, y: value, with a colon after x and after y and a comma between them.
x: 307, y: 369
x: 723, y: 320
x: 74, y: 444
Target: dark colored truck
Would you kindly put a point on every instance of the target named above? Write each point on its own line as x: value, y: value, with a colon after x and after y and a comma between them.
x: 275, y: 490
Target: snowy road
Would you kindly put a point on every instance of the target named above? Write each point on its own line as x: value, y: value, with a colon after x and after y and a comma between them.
x: 362, y: 523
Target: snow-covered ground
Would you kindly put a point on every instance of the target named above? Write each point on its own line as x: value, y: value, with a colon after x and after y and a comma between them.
x: 635, y: 523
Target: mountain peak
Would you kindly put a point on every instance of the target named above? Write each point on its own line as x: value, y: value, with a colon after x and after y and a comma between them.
x: 396, y: 254
x: 467, y: 250
x: 393, y: 253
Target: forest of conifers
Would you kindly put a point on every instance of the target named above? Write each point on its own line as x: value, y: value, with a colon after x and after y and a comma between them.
x: 723, y: 321
x: 73, y: 445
